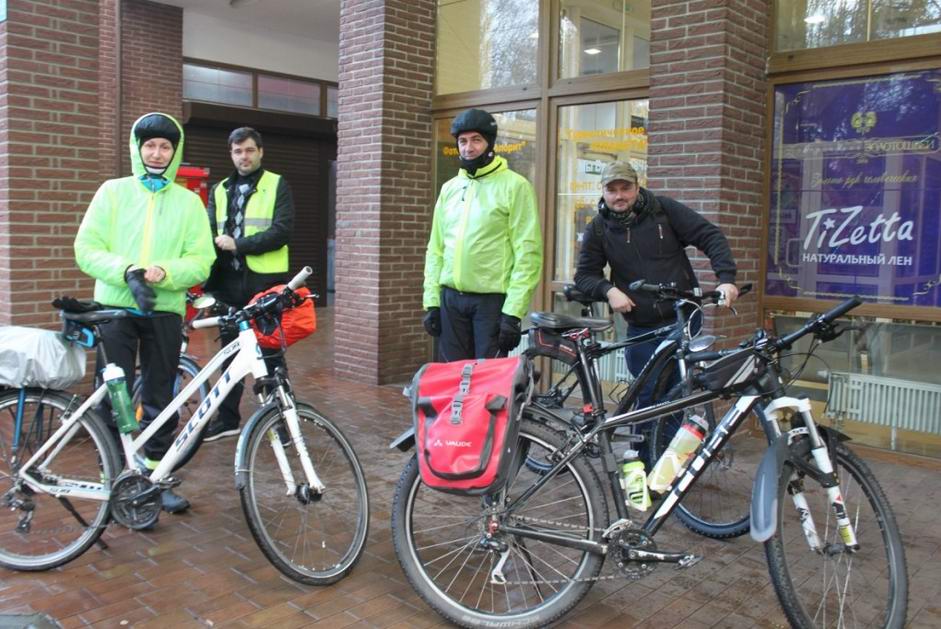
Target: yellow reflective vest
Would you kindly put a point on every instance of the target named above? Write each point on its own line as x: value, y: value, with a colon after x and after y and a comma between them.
x: 259, y: 215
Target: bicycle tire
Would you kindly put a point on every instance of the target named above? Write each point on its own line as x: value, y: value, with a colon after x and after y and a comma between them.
x: 270, y: 513
x: 718, y: 504
x: 186, y: 372
x: 866, y: 588
x: 52, y: 523
x: 428, y: 526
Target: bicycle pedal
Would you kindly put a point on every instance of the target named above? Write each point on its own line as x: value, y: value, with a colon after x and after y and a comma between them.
x: 688, y: 561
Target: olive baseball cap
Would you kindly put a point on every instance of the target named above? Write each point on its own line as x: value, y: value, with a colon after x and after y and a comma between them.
x: 618, y: 170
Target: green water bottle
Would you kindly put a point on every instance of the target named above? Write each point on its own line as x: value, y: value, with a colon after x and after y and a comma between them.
x: 634, y: 481
x: 121, y: 408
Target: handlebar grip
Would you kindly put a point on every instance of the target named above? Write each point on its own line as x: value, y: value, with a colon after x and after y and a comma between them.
x: 298, y: 280
x: 208, y: 322
x: 744, y: 289
x: 841, y: 309
x: 642, y: 285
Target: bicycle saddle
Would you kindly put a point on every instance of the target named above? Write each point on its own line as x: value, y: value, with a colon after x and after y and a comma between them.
x: 86, y: 311
x: 556, y: 321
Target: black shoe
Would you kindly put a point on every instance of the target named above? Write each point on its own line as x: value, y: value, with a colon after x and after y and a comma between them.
x: 216, y: 430
x: 172, y: 502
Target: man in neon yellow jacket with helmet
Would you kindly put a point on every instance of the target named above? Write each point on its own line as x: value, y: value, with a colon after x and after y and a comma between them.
x: 484, y: 256
x: 145, y: 240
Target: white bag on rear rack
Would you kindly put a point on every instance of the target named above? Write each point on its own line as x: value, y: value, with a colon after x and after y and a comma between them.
x: 31, y: 357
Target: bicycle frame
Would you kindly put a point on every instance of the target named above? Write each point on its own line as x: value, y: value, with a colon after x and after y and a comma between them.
x: 246, y: 359
x: 682, y: 482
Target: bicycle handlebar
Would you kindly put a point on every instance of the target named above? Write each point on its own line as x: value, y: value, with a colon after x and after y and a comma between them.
x: 819, y: 322
x: 669, y: 290
x: 208, y: 322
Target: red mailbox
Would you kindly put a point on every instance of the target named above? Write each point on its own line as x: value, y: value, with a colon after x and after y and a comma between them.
x: 196, y: 179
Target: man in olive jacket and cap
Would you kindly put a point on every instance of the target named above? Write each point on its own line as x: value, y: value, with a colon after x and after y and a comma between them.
x: 145, y: 240
x: 484, y: 256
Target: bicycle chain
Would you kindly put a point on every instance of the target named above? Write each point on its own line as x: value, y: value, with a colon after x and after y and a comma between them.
x: 608, y: 577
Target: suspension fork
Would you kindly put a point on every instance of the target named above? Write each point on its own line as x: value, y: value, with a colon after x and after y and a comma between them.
x: 825, y: 474
x: 289, y: 411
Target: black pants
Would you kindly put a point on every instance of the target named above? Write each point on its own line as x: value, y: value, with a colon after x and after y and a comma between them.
x: 158, y: 339
x: 470, y: 325
x: 229, y: 410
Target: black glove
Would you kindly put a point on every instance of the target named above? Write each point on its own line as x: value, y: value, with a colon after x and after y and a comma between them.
x: 143, y: 293
x: 432, y: 322
x: 509, y: 333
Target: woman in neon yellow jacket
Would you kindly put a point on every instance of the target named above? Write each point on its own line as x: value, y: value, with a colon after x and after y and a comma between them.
x: 145, y: 240
x: 484, y: 256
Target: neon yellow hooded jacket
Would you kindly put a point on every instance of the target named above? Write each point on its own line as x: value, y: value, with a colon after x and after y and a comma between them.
x: 485, y: 238
x: 126, y: 225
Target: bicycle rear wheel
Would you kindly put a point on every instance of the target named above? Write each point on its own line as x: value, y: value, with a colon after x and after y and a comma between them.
x: 312, y: 539
x: 39, y: 531
x: 718, y: 504
x: 836, y: 587
x: 185, y: 373
x: 448, y: 552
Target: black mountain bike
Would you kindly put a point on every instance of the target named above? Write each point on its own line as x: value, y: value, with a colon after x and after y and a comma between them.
x: 718, y: 506
x: 528, y: 553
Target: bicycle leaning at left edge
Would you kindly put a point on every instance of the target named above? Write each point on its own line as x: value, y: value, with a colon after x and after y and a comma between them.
x: 301, y: 485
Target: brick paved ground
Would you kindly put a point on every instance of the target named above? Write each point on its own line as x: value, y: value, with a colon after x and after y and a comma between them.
x: 203, y: 569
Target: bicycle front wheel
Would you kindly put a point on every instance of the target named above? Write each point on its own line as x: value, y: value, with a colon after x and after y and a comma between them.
x: 835, y: 587
x: 449, y: 549
x: 39, y: 531
x: 313, y: 539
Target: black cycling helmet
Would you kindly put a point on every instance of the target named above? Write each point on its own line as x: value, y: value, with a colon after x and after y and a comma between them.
x: 475, y: 120
x: 156, y: 126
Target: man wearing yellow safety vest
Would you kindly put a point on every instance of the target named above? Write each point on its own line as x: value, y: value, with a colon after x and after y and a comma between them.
x: 484, y: 256
x: 145, y: 240
x: 251, y: 213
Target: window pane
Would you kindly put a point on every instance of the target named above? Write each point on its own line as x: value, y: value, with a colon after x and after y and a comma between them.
x: 288, y: 95
x: 332, y: 106
x: 599, y: 36
x: 216, y: 85
x: 816, y: 23
x: 590, y: 136
x: 515, y: 142
x: 903, y: 18
x: 484, y: 44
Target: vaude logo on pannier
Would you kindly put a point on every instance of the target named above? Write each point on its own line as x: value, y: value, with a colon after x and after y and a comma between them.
x: 453, y: 444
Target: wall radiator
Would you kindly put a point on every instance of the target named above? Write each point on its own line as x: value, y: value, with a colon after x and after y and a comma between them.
x: 898, y: 404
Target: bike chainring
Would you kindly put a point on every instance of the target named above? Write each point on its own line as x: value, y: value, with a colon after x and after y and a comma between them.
x: 135, y: 501
x: 627, y: 540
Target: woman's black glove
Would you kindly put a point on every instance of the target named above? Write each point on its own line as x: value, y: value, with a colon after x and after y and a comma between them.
x: 509, y: 333
x: 142, y: 292
x: 432, y: 322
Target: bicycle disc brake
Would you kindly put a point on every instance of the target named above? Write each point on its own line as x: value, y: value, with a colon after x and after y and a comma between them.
x: 135, y: 501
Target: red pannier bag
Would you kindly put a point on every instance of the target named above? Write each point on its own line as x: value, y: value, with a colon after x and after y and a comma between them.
x: 467, y: 418
x: 298, y: 323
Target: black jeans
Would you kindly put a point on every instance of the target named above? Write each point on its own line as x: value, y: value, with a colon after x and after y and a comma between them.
x: 229, y: 414
x: 470, y: 325
x: 158, y: 339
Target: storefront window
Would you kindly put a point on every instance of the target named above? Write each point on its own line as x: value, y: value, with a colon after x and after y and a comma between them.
x: 484, y: 44
x: 590, y: 136
x: 516, y: 141
x: 600, y: 36
x: 216, y: 85
x: 302, y: 97
x: 817, y: 23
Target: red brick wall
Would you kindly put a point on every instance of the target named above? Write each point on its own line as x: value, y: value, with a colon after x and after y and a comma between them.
x: 707, y: 124
x: 384, y: 187
x: 48, y: 150
x: 112, y: 152
x: 151, y: 65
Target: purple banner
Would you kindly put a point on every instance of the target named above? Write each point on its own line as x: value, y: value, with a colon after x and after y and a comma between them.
x: 855, y: 204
